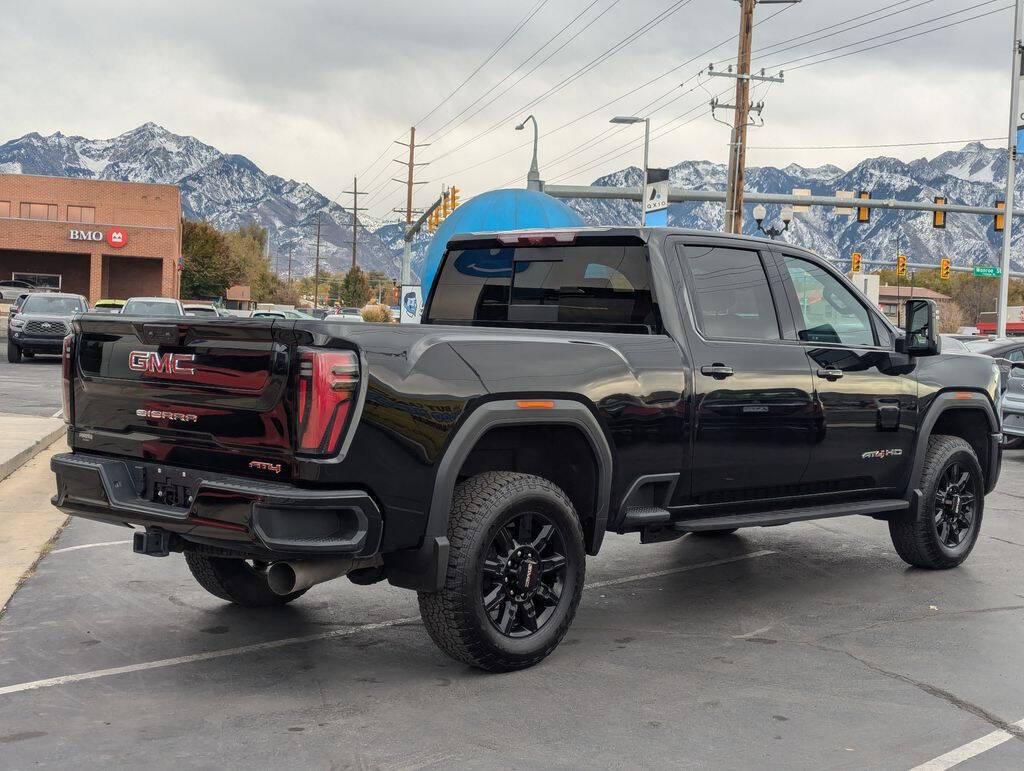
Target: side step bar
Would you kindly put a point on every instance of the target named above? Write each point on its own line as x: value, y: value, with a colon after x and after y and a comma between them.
x: 785, y: 516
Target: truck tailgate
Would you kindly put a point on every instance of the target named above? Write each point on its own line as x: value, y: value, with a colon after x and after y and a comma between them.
x: 201, y: 394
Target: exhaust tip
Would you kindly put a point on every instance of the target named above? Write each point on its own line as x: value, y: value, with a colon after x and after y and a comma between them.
x: 281, y: 578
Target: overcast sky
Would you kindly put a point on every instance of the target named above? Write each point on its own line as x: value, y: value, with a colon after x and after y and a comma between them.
x: 315, y: 89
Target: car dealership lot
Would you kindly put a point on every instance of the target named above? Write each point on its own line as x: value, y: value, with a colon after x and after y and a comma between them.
x: 810, y: 645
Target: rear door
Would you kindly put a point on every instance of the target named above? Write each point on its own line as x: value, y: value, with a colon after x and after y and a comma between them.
x: 753, y: 413
x: 196, y: 393
x: 869, y: 411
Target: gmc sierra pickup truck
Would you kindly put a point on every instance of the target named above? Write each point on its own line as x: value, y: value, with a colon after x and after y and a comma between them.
x: 562, y: 384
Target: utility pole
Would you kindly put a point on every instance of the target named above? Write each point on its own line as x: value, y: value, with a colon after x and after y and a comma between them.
x: 356, y: 208
x: 1016, y: 122
x: 290, y: 247
x: 741, y: 114
x: 410, y: 185
x: 316, y: 275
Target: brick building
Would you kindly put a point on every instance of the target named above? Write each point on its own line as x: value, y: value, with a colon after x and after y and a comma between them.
x: 97, y: 238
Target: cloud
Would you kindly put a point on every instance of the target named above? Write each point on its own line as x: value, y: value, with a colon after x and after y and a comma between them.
x: 315, y: 89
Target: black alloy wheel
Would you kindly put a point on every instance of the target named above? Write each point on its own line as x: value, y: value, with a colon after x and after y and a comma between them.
x: 523, y: 575
x: 940, y: 528
x: 955, y: 505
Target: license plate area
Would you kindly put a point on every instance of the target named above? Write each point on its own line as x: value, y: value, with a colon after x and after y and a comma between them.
x: 171, y: 487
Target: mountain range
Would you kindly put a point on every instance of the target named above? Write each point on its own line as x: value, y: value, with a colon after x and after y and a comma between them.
x: 230, y: 190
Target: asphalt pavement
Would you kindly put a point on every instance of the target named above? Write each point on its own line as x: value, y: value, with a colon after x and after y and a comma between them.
x: 31, y: 387
x: 805, y: 646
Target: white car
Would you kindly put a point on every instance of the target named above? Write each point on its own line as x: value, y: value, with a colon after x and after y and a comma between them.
x: 13, y: 288
x: 153, y: 306
x: 342, y: 317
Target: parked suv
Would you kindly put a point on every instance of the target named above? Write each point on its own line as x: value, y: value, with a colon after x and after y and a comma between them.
x: 41, y: 324
x: 561, y: 384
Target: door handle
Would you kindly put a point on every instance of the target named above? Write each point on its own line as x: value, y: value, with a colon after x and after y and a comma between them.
x: 717, y: 371
x: 830, y: 374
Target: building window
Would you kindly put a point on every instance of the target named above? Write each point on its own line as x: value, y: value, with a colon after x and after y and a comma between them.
x: 48, y: 281
x: 39, y: 211
x: 81, y: 214
x: 5, y: 208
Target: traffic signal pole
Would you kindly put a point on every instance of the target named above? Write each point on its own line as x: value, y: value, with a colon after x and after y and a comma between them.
x: 1011, y: 163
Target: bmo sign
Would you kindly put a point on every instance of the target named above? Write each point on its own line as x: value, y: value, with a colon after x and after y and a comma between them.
x: 115, y: 237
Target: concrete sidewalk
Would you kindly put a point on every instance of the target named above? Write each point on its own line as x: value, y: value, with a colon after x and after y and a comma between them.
x: 22, y: 437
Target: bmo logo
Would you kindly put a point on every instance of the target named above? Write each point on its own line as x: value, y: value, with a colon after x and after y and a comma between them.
x: 115, y: 237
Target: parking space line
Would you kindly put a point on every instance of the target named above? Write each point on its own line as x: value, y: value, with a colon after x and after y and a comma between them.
x: 87, y: 546
x: 58, y: 413
x: 347, y: 632
x: 968, y: 751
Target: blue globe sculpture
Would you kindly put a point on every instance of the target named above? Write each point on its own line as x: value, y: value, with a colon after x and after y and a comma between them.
x: 497, y: 210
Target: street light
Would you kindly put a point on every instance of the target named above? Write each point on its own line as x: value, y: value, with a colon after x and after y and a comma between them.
x: 533, y: 177
x: 787, y: 217
x: 630, y: 120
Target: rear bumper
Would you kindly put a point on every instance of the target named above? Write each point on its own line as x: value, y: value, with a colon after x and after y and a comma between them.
x: 255, y: 518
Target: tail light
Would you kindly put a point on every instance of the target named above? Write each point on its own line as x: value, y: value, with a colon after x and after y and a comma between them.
x: 328, y: 382
x: 67, y: 371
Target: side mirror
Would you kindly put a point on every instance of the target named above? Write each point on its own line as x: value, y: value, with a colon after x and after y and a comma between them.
x: 922, y: 334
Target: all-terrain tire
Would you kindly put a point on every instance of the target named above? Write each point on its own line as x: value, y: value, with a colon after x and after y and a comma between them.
x: 455, y: 616
x: 13, y: 353
x: 914, y: 532
x: 236, y: 581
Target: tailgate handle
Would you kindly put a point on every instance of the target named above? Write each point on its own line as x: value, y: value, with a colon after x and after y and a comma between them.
x: 160, y: 334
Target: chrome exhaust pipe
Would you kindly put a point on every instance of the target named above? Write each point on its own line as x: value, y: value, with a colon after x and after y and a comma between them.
x: 284, y: 578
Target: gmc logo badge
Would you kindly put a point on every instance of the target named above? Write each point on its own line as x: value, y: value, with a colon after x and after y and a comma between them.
x: 153, y: 363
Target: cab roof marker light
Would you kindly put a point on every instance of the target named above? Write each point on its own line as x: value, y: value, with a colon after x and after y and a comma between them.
x: 535, y: 405
x: 538, y: 238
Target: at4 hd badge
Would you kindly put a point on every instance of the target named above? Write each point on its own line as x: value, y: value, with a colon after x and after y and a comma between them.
x: 116, y: 237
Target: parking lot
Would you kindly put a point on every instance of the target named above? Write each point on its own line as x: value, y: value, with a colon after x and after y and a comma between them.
x: 29, y: 388
x: 805, y: 646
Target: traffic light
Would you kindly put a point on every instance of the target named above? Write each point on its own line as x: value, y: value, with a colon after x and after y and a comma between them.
x: 445, y: 208
x: 855, y: 262
x: 1000, y: 220
x: 863, y: 212
x: 453, y: 197
x: 901, y: 265
x: 433, y: 220
x: 939, y: 217
x: 944, y: 268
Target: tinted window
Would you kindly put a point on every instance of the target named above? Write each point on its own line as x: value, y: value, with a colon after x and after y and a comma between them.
x: 150, y: 308
x: 828, y: 311
x: 578, y: 285
x: 53, y: 306
x: 731, y: 299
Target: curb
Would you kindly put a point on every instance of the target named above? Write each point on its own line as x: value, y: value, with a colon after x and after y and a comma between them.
x: 12, y: 464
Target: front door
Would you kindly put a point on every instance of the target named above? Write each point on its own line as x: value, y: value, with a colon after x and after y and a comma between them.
x: 753, y: 413
x: 869, y: 411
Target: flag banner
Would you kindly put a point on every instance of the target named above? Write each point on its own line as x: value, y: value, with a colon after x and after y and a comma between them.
x: 411, y: 304
x: 655, y: 201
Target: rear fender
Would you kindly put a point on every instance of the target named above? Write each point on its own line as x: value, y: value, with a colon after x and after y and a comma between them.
x: 424, y: 568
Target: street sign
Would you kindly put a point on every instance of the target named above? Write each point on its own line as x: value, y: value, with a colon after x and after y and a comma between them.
x: 844, y: 211
x: 991, y: 271
x: 412, y: 304
x: 656, y: 198
x: 801, y: 191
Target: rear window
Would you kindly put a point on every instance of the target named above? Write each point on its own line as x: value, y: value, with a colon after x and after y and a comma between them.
x: 150, y: 308
x: 579, y: 286
x: 53, y: 306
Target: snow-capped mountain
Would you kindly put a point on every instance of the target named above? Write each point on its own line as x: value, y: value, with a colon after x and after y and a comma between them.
x: 227, y: 190
x: 230, y: 190
x: 974, y: 175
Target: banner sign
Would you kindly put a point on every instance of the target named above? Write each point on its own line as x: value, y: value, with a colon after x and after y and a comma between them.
x: 655, y: 201
x: 1020, y: 111
x: 411, y: 304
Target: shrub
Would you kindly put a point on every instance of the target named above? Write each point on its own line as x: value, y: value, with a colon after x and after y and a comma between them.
x: 377, y: 313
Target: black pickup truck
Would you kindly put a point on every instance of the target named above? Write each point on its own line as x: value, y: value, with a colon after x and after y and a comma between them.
x: 562, y: 384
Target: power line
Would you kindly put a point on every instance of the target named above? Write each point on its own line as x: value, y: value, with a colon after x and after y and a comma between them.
x: 893, y: 32
x: 892, y: 144
x: 600, y: 59
x: 533, y: 12
x: 518, y: 66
